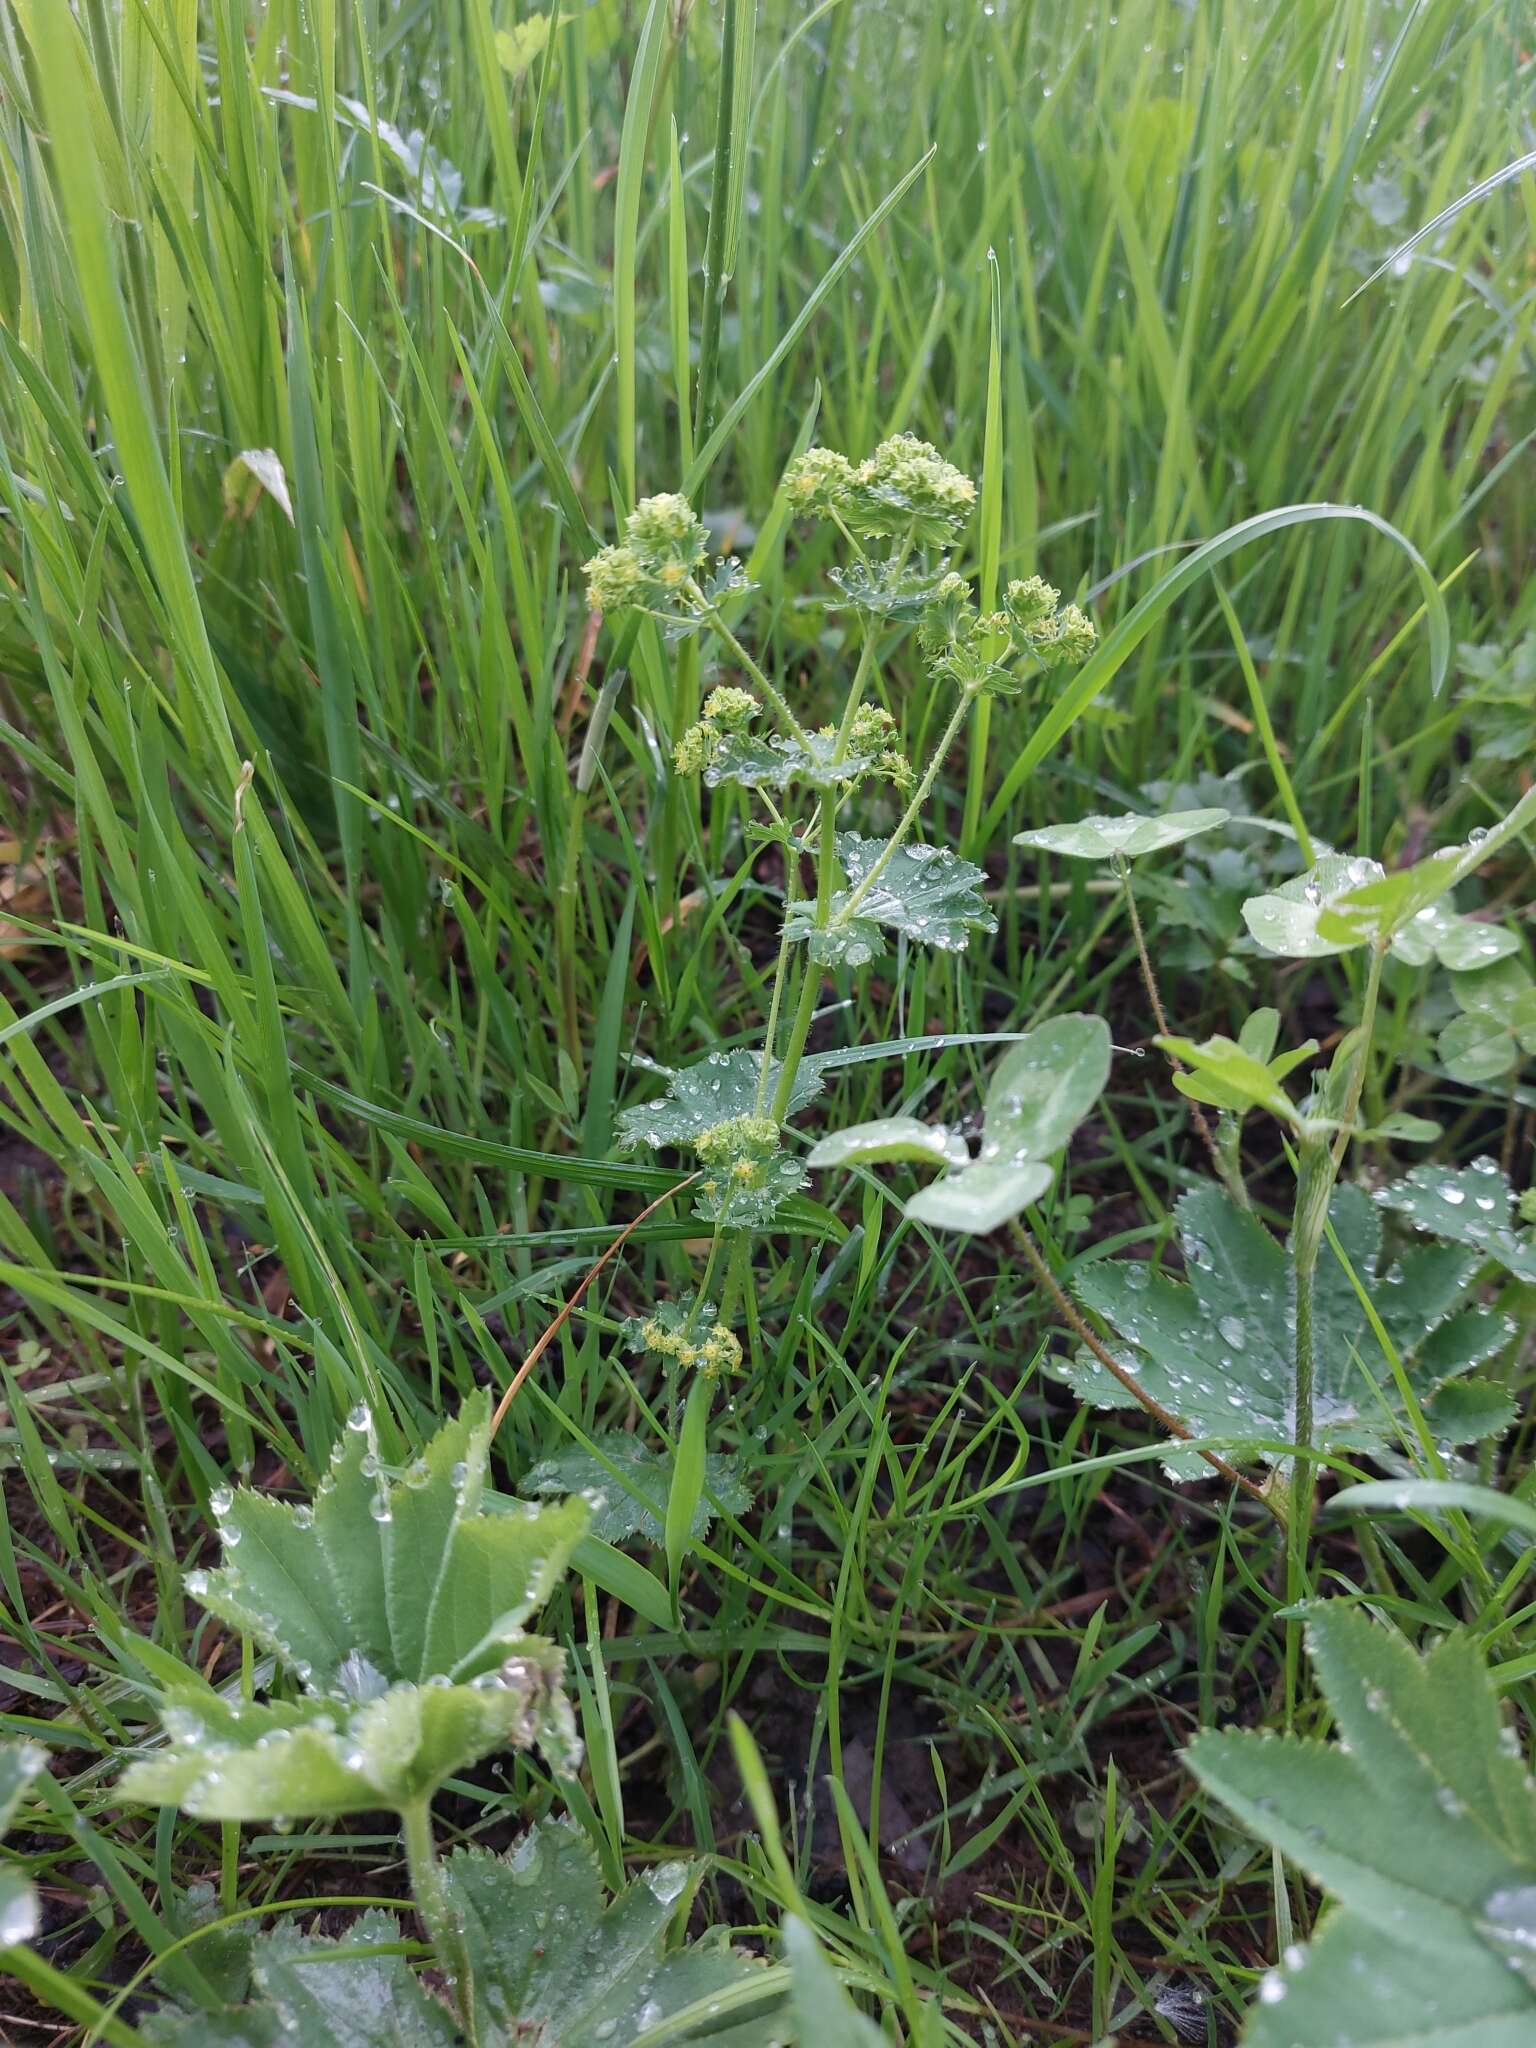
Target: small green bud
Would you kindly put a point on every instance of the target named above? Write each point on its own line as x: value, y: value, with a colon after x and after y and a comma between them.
x: 1072, y: 638
x: 1030, y: 601
x: 949, y: 614
x: 726, y: 711
x: 730, y: 709
x: 1527, y: 1206
x: 874, y: 736
x: 720, y: 1352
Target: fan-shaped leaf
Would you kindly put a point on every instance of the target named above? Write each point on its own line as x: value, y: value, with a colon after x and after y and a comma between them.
x: 310, y: 1992
x: 401, y: 1570
x: 713, y: 1091
x: 1422, y: 1821
x: 558, y: 1965
x: 1217, y: 1352
x: 1470, y: 1207
x: 323, y: 1757
x: 628, y: 1484
x: 1287, y: 920
x: 555, y: 1965
x: 926, y: 893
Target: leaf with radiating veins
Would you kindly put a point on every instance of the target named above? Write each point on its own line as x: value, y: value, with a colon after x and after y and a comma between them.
x: 1421, y: 1820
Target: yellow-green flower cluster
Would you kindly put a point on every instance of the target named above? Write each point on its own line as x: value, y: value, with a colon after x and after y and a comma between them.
x: 663, y: 548
x: 727, y: 712
x: 738, y: 1139
x: 748, y: 1174
x: 975, y: 649
x: 615, y: 580
x: 708, y: 1348
x: 873, y: 744
x: 818, y: 480
x: 905, y: 489
x: 1058, y: 635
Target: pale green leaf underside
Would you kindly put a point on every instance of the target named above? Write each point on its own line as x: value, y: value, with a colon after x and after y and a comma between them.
x: 1421, y: 1821
x: 887, y: 1139
x: 1474, y: 1049
x: 1459, y: 943
x: 1217, y: 1351
x: 20, y: 1909
x: 1287, y: 920
x: 20, y: 1912
x: 20, y: 1762
x: 1385, y: 904
x: 1043, y: 1088
x: 1129, y: 834
x: 980, y: 1198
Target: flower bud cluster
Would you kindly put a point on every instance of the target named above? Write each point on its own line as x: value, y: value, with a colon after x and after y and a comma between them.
x: 874, y: 748
x: 727, y: 713
x: 906, y: 488
x: 664, y: 547
x: 691, y: 1338
x: 977, y: 649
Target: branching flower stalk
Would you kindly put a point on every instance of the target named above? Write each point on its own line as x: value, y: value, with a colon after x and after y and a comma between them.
x: 731, y: 1110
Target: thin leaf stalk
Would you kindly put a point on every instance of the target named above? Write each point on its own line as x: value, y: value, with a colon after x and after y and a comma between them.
x: 435, y: 1907
x: 910, y: 815
x: 771, y: 691
x: 1320, y: 1161
x: 1223, y: 1165
x: 805, y: 1009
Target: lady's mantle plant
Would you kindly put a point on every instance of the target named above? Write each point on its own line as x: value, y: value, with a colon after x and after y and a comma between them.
x: 899, y: 513
x: 396, y: 1604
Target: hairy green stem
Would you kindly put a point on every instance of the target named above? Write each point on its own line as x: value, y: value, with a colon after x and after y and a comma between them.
x: 930, y: 775
x: 780, y: 971
x: 867, y: 653
x: 1318, y: 1174
x: 1223, y: 1166
x: 771, y: 691
x: 805, y: 1009
x: 435, y: 1908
